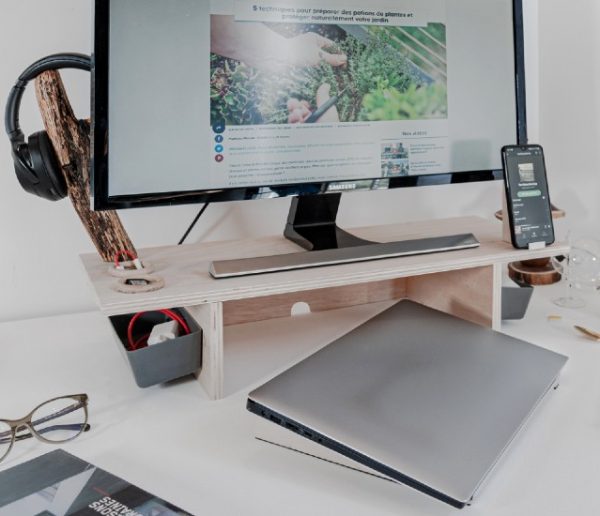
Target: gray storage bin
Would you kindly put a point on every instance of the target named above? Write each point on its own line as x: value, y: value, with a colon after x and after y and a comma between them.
x: 162, y: 362
x: 515, y: 301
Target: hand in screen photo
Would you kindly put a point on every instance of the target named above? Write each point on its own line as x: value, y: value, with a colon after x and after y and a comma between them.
x: 261, y: 47
x: 308, y: 49
x: 299, y: 110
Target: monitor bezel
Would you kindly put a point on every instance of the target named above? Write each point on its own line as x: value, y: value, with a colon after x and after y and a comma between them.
x: 100, y: 139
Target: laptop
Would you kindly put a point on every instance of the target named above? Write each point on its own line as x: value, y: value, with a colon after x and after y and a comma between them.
x: 415, y: 395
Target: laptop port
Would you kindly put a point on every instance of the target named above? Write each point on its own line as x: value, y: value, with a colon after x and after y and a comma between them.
x: 292, y: 427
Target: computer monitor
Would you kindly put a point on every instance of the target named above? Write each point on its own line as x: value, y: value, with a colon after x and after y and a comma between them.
x: 201, y: 101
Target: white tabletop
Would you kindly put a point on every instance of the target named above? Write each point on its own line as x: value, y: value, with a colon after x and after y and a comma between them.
x: 202, y: 455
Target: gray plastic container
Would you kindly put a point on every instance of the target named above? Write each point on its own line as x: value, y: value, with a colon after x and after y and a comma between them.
x: 162, y: 362
x: 515, y: 301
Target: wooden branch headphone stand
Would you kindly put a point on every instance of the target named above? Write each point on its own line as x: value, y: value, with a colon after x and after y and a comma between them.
x: 71, y: 140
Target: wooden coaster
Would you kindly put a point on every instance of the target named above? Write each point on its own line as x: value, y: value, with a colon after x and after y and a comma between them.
x: 148, y: 283
x: 534, y: 272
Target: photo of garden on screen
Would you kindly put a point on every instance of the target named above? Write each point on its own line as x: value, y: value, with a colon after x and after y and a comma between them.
x: 264, y: 73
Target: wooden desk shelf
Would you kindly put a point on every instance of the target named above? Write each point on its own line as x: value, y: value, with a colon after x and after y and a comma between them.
x: 464, y: 283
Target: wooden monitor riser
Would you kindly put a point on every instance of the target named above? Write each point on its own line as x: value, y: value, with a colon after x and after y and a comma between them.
x: 464, y: 283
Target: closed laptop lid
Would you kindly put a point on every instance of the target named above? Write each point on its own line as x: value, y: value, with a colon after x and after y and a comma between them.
x: 434, y: 398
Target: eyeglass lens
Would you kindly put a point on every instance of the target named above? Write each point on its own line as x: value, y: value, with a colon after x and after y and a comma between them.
x: 59, y: 420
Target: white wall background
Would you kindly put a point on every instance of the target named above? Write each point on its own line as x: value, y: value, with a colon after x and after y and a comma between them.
x: 40, y: 241
x: 570, y: 107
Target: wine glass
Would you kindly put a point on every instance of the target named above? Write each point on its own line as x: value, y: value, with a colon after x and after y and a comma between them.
x: 580, y: 271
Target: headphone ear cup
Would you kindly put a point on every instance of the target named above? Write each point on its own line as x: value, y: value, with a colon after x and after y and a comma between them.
x: 25, y: 175
x: 45, y: 166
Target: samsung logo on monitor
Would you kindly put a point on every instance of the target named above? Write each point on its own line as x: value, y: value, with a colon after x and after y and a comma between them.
x: 337, y: 187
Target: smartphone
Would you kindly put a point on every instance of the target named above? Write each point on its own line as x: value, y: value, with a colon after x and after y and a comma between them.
x: 528, y: 200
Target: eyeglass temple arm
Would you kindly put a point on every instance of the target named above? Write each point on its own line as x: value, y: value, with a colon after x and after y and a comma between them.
x: 66, y: 410
x: 29, y: 435
x: 6, y: 437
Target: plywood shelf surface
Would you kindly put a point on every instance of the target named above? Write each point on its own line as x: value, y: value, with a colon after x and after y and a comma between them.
x: 188, y: 282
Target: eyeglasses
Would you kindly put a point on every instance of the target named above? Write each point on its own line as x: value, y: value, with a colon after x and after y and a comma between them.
x: 55, y: 421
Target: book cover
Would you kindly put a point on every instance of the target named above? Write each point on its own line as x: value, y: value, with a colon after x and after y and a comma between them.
x: 60, y: 484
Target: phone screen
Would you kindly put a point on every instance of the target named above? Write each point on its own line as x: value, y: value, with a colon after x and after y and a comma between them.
x: 528, y: 195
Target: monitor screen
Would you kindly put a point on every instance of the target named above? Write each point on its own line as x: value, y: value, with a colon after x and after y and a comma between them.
x: 200, y: 100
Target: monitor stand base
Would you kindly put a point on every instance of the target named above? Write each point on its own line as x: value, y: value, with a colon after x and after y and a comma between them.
x: 312, y: 225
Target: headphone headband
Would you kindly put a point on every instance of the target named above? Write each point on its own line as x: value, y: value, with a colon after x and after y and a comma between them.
x: 13, y: 104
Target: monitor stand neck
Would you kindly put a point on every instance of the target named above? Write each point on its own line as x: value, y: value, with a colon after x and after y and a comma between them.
x: 312, y: 224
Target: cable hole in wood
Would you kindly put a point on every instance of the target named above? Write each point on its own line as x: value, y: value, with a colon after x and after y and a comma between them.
x: 300, y: 308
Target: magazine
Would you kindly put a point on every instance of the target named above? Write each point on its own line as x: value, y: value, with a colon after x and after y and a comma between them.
x: 60, y: 484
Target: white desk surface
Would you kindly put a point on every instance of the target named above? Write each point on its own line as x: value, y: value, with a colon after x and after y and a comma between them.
x: 202, y: 455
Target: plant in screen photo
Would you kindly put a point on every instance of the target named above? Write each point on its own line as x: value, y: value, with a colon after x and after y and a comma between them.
x: 232, y: 96
x: 371, y: 65
x: 415, y: 103
x: 384, y: 78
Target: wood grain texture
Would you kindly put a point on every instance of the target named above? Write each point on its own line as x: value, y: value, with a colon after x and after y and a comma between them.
x: 278, y: 306
x: 188, y: 282
x: 71, y: 140
x: 498, y: 274
x: 534, y: 273
x: 467, y: 293
x: 210, y: 318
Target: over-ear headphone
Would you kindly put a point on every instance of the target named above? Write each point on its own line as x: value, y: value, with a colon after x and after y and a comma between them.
x: 35, y: 161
